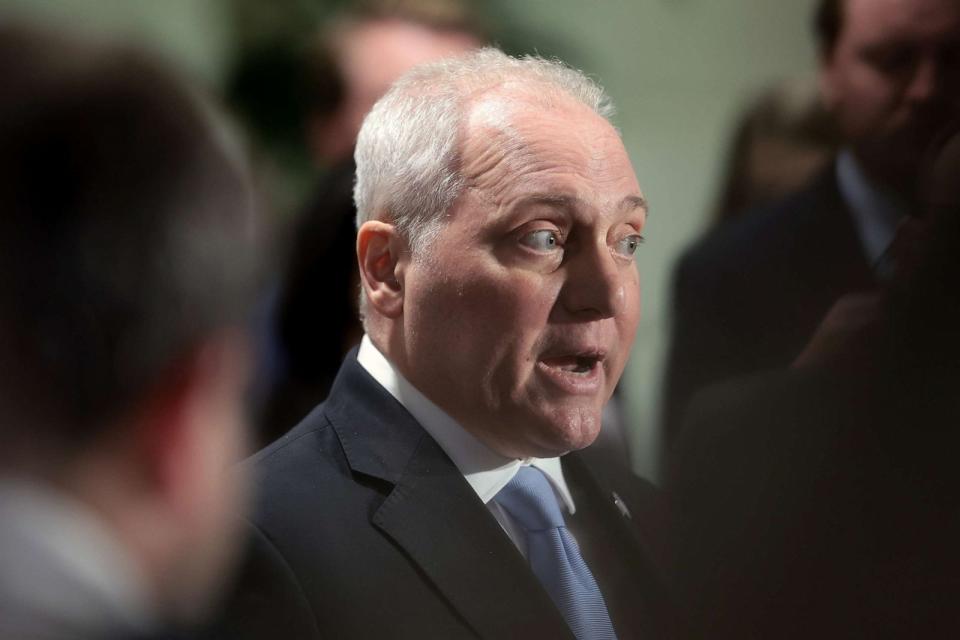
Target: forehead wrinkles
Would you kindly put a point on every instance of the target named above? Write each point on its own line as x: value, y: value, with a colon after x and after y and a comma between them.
x: 503, y: 144
x: 491, y: 153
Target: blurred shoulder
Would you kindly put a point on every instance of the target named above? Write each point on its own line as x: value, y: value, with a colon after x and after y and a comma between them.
x: 767, y: 423
x: 768, y: 234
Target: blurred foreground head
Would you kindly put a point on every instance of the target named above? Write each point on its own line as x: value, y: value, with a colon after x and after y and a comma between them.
x: 127, y: 250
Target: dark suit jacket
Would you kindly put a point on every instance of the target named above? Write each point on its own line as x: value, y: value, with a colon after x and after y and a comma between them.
x: 820, y: 505
x: 749, y: 296
x: 366, y: 529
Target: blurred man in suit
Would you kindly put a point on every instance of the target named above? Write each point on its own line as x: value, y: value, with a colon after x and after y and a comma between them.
x: 750, y: 297
x: 127, y: 248
x: 823, y: 501
x: 440, y: 491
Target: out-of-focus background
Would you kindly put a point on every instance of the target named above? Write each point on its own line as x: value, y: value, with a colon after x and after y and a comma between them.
x: 681, y: 73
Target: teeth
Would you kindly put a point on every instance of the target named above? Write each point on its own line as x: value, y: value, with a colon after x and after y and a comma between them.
x: 581, y: 365
x: 574, y: 364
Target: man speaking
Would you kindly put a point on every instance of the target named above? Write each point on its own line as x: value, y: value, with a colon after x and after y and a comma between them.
x: 431, y: 495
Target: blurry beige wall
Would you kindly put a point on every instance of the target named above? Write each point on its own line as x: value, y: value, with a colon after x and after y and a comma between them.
x: 678, y: 70
x: 195, y: 35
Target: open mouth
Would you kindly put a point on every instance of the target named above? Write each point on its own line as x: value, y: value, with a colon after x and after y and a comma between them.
x: 575, y: 374
x: 581, y: 364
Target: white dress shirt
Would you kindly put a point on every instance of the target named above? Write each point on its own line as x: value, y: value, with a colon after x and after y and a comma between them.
x: 486, y: 471
x: 876, y: 212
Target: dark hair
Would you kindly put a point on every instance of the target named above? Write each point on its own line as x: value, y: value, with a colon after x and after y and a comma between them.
x: 127, y: 235
x: 827, y: 24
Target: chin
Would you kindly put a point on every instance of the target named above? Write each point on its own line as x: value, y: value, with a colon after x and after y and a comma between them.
x: 570, y: 432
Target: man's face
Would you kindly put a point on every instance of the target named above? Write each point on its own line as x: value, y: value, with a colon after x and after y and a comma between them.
x: 893, y: 79
x: 519, y: 317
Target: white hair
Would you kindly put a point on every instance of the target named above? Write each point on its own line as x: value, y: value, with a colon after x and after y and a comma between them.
x: 407, y: 151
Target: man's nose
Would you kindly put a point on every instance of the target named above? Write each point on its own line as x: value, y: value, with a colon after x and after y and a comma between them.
x: 595, y: 283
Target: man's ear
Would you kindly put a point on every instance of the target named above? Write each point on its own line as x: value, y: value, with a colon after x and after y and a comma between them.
x: 192, y: 425
x: 379, y: 252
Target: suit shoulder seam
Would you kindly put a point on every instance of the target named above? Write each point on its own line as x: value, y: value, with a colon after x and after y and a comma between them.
x: 293, y: 575
x: 266, y: 455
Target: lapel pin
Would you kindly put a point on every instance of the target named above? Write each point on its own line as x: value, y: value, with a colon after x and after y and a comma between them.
x: 621, y: 505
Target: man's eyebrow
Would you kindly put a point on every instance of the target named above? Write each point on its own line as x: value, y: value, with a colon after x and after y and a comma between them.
x: 634, y: 202
x: 554, y: 199
x: 570, y: 203
x: 627, y: 204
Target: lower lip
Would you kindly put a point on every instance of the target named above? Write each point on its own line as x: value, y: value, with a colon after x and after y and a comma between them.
x: 580, y: 384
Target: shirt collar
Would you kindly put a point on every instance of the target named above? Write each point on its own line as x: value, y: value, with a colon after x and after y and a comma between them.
x: 486, y: 471
x: 876, y: 211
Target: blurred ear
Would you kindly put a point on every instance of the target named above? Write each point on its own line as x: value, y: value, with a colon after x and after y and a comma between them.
x: 379, y: 251
x: 194, y: 425
x: 180, y: 493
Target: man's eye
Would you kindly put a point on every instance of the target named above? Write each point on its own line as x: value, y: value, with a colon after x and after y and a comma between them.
x: 892, y: 61
x: 628, y: 246
x: 542, y: 240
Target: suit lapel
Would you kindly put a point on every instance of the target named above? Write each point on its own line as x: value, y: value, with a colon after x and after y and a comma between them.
x: 623, y: 508
x: 605, y: 494
x: 833, y: 232
x: 434, y: 516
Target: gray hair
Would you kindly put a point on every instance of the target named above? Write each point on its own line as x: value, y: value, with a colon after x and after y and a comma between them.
x: 407, y: 152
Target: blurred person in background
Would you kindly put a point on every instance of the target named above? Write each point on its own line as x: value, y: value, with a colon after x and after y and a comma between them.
x: 749, y: 297
x: 824, y: 501
x: 127, y: 255
x: 446, y: 488
x: 782, y: 140
x: 353, y: 63
x: 363, y: 51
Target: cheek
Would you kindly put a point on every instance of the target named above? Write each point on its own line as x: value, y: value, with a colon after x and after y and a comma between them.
x: 630, y: 316
x: 857, y: 93
x: 501, y: 317
x: 866, y: 99
x: 506, y: 304
x: 628, y: 321
x: 874, y: 92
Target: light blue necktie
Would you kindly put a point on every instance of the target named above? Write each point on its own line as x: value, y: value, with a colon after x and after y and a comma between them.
x: 554, y: 555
